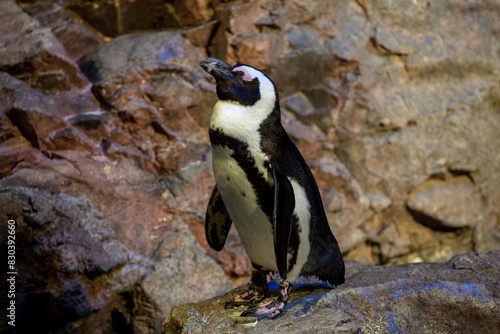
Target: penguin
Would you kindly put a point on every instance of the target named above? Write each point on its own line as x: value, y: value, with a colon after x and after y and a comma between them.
x: 265, y: 187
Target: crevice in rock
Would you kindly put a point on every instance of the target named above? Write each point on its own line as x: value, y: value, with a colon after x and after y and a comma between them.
x: 381, y: 50
x: 120, y: 322
x: 19, y: 118
x: 160, y: 128
x: 364, y: 10
x: 459, y: 172
x: 91, y: 72
x: 441, y: 175
x: 211, y: 37
x: 99, y: 96
x: 429, y: 222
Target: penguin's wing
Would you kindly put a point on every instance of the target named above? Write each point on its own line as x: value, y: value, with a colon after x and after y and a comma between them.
x: 217, y: 221
x: 284, y: 204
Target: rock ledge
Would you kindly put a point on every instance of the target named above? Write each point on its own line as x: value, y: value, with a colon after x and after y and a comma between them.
x: 461, y: 295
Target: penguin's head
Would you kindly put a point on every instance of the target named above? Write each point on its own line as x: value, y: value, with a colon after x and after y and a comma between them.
x: 242, y: 84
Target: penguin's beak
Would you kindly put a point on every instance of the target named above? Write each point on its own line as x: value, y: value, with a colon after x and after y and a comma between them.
x: 217, y: 68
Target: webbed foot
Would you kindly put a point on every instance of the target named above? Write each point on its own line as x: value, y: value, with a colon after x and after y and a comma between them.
x: 273, y: 307
x: 257, y: 292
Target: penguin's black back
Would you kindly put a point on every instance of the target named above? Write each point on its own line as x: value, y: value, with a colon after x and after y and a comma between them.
x: 325, y: 259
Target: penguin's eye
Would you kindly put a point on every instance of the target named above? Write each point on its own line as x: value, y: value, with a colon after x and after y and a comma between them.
x: 246, y: 75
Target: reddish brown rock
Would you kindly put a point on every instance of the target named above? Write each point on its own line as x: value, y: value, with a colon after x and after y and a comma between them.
x: 27, y: 110
x: 118, y: 243
x: 12, y: 156
x: 32, y: 53
x: 77, y: 38
x: 152, y: 82
x: 116, y: 18
x: 200, y: 36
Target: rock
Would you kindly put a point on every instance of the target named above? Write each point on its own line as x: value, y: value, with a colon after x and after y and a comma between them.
x: 459, y: 295
x: 201, y: 36
x: 378, y: 201
x: 333, y: 201
x: 182, y: 272
x: 192, y: 12
x: 439, y: 146
x: 298, y: 104
x: 412, y: 57
x: 69, y: 244
x: 36, y: 120
x: 96, y: 255
x: 392, y: 242
x: 28, y: 111
x: 487, y: 235
x: 448, y: 206
x: 402, y: 161
x: 347, y: 221
x: 10, y: 157
x: 189, y: 187
x: 310, y: 140
x: 151, y: 81
x: 78, y: 39
x: 34, y: 55
x: 114, y: 19
x: 58, y: 145
x: 70, y: 139
x: 140, y: 54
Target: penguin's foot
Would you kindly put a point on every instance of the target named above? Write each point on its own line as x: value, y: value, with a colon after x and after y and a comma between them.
x: 273, y: 307
x: 250, y: 297
x: 257, y: 292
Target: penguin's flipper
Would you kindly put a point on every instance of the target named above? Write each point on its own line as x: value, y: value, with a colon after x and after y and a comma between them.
x: 284, y: 204
x: 217, y: 221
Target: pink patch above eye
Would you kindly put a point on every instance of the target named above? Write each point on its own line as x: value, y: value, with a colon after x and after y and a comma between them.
x: 246, y: 75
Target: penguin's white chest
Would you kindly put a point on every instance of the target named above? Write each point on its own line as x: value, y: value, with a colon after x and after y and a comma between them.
x: 241, y: 202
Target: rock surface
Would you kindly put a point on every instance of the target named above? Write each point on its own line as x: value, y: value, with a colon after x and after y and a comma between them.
x: 116, y: 18
x: 33, y: 54
x: 72, y: 258
x: 105, y: 161
x: 69, y: 29
x: 450, y: 206
x: 461, y: 295
x: 102, y: 242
